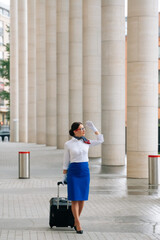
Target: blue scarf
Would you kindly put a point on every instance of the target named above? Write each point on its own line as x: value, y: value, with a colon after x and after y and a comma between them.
x: 85, y: 140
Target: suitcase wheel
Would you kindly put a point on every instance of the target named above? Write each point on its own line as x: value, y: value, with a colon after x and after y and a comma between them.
x: 50, y: 225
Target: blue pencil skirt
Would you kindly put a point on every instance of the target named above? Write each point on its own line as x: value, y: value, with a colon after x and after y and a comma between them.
x: 78, y: 179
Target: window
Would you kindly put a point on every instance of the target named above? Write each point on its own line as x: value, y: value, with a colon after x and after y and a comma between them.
x: 1, y: 28
x: 1, y: 102
x: 5, y: 13
x: 1, y: 86
x: 159, y: 101
x: 1, y: 40
x: 1, y: 89
x: 1, y: 55
x: 158, y: 52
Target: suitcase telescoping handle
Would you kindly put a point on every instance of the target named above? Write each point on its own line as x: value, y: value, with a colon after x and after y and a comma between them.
x: 59, y: 183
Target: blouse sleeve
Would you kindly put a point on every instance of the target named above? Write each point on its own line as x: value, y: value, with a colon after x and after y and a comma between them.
x: 99, y: 140
x: 66, y: 159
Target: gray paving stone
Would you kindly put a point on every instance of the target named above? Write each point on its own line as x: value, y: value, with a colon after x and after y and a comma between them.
x: 118, y: 208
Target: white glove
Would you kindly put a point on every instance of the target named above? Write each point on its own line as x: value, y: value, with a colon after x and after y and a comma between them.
x: 90, y: 125
x: 64, y: 179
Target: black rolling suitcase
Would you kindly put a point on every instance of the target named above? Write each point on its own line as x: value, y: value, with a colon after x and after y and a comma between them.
x: 60, y: 211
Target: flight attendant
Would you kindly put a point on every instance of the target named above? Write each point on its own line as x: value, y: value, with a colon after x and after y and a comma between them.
x: 75, y: 167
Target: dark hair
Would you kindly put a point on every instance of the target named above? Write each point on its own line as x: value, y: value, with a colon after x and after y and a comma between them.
x: 74, y: 126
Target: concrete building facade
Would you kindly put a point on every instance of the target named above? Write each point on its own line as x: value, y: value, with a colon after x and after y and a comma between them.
x: 73, y: 57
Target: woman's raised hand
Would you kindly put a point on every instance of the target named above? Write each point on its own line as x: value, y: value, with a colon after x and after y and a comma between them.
x: 90, y: 125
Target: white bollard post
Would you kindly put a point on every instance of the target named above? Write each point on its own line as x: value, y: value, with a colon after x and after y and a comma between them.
x: 24, y: 164
x: 5, y: 139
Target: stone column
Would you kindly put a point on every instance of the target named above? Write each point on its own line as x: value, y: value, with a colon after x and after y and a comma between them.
x: 14, y: 93
x: 75, y: 62
x: 41, y: 71
x: 31, y: 71
x: 51, y: 74
x: 142, y: 85
x: 62, y: 72
x: 23, y: 68
x: 92, y: 67
x: 113, y: 82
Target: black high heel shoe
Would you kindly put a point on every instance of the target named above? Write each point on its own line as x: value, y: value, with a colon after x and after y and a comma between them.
x: 80, y: 231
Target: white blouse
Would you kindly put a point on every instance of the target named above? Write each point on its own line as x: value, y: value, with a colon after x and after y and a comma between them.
x: 77, y: 151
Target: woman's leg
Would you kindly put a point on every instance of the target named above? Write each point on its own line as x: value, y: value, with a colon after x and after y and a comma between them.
x: 75, y: 211
x: 81, y: 205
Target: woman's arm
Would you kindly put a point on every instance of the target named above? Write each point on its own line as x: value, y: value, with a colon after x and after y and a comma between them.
x: 66, y: 159
x: 98, y: 141
x: 100, y: 138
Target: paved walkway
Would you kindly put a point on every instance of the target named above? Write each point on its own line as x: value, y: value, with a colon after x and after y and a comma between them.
x: 118, y: 208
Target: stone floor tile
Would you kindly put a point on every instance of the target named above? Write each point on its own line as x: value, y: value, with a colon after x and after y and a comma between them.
x: 118, y: 208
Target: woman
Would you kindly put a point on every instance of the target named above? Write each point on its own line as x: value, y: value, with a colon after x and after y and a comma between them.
x: 75, y: 167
